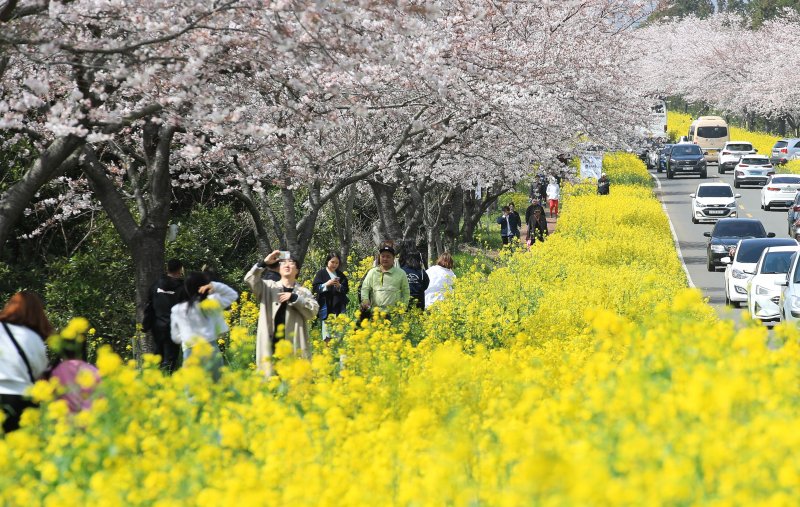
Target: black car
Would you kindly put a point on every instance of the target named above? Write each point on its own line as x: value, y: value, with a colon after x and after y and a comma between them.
x: 727, y: 233
x: 686, y: 159
x: 663, y: 156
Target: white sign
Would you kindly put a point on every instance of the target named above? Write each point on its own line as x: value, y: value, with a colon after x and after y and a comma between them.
x: 591, y: 165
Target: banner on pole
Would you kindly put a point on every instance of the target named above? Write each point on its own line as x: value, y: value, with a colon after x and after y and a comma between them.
x: 591, y: 165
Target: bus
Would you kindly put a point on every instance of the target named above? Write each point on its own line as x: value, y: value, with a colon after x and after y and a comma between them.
x: 710, y: 133
x: 657, y: 125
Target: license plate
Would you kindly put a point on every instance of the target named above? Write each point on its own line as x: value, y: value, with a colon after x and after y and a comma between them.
x: 755, y: 173
x: 715, y: 211
x: 687, y: 168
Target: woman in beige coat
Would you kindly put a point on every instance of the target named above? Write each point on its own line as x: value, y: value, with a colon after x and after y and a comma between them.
x: 285, y: 307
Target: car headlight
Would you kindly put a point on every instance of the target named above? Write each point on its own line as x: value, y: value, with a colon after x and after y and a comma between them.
x: 719, y: 248
x: 673, y: 161
x: 732, y: 204
x: 738, y: 273
x: 795, y: 302
x: 763, y: 291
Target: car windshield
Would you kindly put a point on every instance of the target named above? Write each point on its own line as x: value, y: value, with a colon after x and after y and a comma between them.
x: 750, y: 251
x: 754, y: 161
x: 739, y: 147
x: 776, y: 263
x: 712, y: 132
x: 786, y: 179
x: 739, y: 229
x: 689, y: 149
x: 715, y: 191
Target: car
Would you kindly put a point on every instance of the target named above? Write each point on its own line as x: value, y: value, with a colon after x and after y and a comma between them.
x: 727, y: 233
x: 712, y: 201
x: 686, y: 159
x: 780, y: 190
x: 784, y: 150
x: 789, y: 300
x: 731, y: 153
x: 752, y: 170
x: 739, y: 268
x: 663, y: 156
x: 764, y: 289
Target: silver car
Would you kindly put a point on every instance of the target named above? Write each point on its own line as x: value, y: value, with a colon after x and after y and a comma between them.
x: 752, y: 170
x: 785, y: 150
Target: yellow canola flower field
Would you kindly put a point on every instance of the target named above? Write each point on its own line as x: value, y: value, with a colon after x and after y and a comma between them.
x: 581, y: 372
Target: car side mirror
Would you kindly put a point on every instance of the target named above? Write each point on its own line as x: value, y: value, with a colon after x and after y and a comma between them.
x: 692, y: 196
x: 737, y: 196
x: 725, y: 260
x: 770, y: 234
x: 707, y: 234
x: 782, y: 283
x: 753, y: 151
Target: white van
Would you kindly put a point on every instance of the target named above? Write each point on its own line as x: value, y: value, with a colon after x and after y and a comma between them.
x: 710, y: 133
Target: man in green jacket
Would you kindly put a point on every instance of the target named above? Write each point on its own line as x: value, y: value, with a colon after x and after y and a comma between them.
x: 385, y: 285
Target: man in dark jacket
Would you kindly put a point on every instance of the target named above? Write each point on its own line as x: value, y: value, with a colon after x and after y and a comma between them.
x: 509, y: 225
x: 529, y: 211
x: 165, y: 293
x: 603, y: 185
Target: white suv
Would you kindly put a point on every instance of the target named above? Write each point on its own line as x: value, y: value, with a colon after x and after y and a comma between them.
x: 731, y: 153
x: 712, y: 201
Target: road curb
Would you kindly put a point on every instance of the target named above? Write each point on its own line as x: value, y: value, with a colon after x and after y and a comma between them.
x: 674, y: 233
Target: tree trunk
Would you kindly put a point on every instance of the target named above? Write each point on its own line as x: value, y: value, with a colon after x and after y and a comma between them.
x: 50, y: 164
x: 384, y: 199
x: 148, y: 254
x: 343, y: 218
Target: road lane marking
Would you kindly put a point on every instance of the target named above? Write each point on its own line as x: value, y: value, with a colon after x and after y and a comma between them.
x: 741, y: 206
x: 749, y: 215
x: 674, y: 233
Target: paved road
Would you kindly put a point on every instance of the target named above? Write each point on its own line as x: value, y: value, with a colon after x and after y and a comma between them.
x: 675, y: 196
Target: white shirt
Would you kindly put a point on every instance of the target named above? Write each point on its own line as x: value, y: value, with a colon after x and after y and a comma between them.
x: 441, y: 281
x: 190, y: 325
x: 553, y: 191
x: 14, y: 378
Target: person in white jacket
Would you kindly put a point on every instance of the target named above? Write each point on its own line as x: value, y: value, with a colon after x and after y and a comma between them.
x: 23, y: 355
x: 200, y: 318
x: 442, y: 278
x: 553, y: 195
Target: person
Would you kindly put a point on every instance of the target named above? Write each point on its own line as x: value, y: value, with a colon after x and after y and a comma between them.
x: 517, y: 220
x: 441, y: 277
x: 603, y: 185
x: 199, y: 318
x: 69, y: 367
x: 535, y: 204
x: 418, y: 279
x: 509, y: 226
x: 553, y: 194
x: 537, y: 230
x: 23, y: 355
x: 386, y: 285
x: 165, y: 293
x: 330, y: 285
x: 285, y: 308
x: 542, y: 187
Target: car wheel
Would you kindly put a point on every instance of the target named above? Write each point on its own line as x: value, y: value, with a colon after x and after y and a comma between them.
x: 721, y: 170
x: 735, y: 184
x: 727, y: 299
x: 669, y: 174
x: 704, y: 175
x: 766, y: 207
x: 710, y: 265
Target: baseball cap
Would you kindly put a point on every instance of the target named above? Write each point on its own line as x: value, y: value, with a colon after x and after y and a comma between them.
x: 386, y: 248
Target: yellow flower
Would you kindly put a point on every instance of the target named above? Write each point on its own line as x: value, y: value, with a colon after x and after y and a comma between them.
x: 43, y: 390
x: 107, y: 360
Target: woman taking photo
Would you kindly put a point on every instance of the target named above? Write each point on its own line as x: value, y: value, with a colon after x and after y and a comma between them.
x: 330, y: 287
x: 23, y: 356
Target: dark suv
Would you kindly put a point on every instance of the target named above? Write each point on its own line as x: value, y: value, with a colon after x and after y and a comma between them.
x: 727, y: 233
x: 686, y: 159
